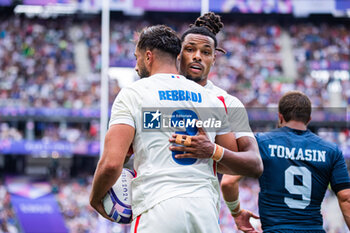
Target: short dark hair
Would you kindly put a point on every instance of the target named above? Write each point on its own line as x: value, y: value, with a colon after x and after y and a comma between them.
x: 294, y: 105
x: 160, y: 37
x: 208, y: 24
x: 202, y: 31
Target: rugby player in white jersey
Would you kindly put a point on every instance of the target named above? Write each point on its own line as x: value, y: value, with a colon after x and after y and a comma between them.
x: 168, y: 194
x: 197, y: 57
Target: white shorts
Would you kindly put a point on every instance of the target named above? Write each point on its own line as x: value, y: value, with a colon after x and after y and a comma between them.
x: 179, y: 215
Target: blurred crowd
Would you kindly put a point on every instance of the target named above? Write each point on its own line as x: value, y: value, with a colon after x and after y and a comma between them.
x: 73, y: 134
x: 38, y: 68
x: 38, y: 65
x: 38, y: 60
x: 341, y: 138
x: 72, y: 196
x: 322, y: 47
x: 9, y: 133
x: 251, y: 68
x: 52, y: 132
x: 8, y: 220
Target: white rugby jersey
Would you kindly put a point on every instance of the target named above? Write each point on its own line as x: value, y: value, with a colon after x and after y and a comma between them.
x: 159, y: 175
x: 237, y: 114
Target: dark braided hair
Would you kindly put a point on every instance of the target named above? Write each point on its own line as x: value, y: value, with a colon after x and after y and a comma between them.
x: 208, y: 24
x: 160, y: 37
x: 209, y: 20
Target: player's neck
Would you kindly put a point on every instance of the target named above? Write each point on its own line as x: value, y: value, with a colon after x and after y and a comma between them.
x: 203, y: 82
x: 295, y: 125
x: 164, y: 68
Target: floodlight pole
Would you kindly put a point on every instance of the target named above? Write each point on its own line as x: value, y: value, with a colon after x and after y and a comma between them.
x: 204, y: 7
x: 104, y: 73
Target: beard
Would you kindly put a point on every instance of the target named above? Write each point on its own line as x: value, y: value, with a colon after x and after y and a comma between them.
x: 143, y: 72
x: 195, y: 79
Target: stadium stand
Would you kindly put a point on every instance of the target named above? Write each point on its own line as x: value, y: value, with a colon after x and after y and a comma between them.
x: 254, y: 60
x: 39, y: 70
x: 72, y: 196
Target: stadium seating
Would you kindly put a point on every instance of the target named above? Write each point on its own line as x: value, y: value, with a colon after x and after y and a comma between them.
x: 39, y: 74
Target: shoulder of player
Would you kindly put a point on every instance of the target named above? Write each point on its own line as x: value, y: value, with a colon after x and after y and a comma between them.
x: 230, y: 100
x: 217, y: 90
x: 278, y: 133
x: 140, y: 84
x: 134, y: 89
x: 271, y: 135
x: 331, y: 146
x: 157, y: 81
x: 166, y: 78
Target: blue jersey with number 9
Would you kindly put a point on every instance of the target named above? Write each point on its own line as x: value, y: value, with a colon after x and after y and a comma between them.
x: 298, y: 166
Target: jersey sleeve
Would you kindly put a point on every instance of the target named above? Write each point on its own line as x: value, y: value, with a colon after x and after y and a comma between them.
x: 122, y: 109
x: 225, y: 124
x: 238, y: 118
x: 340, y: 178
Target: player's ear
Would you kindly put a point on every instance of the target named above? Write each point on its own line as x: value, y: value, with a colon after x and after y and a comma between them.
x: 309, y: 120
x: 177, y: 63
x: 280, y: 119
x: 149, y: 56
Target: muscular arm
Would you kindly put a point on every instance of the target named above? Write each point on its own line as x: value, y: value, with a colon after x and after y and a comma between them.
x: 247, y: 163
x: 247, y: 158
x: 117, y: 142
x: 231, y: 144
x: 344, y: 203
x: 230, y: 187
x: 229, y: 183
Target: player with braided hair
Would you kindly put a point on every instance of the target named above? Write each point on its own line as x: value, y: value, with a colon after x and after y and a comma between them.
x: 167, y: 191
x: 209, y: 20
x: 197, y: 56
x: 207, y: 25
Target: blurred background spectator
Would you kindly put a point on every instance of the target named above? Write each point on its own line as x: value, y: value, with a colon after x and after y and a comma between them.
x: 50, y: 95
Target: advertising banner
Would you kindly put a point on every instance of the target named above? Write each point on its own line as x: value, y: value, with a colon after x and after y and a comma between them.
x: 252, y: 6
x: 38, y: 215
x: 342, y: 5
x: 44, y: 2
x: 5, y: 2
x: 48, y: 112
x: 224, y: 6
x: 306, y: 7
x: 169, y: 5
x: 41, y: 148
x: 36, y: 208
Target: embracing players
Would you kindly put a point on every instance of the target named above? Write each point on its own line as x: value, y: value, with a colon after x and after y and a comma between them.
x: 168, y: 191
